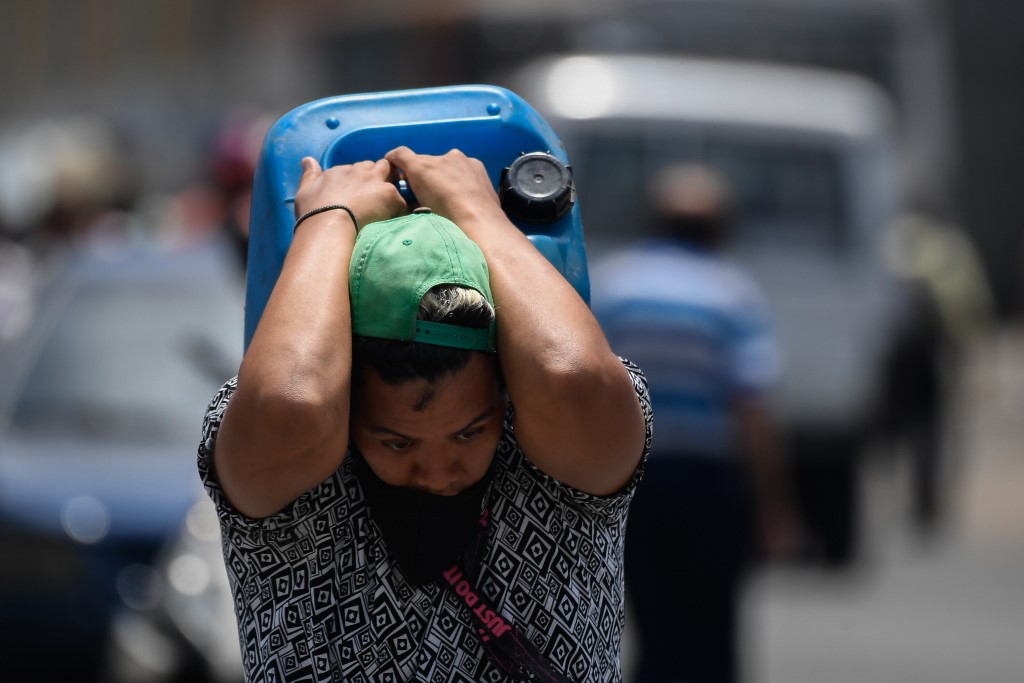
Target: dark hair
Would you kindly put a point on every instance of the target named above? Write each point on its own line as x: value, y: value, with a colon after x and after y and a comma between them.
x: 399, y: 361
x: 691, y: 203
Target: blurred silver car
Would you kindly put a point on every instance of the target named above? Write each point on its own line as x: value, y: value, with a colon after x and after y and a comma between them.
x: 814, y: 161
x: 101, y: 404
x: 188, y: 632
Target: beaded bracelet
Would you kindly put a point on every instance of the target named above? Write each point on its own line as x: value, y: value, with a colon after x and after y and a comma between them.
x: 329, y: 207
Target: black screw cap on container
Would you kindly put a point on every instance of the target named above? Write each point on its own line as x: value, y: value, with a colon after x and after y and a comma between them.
x: 537, y: 188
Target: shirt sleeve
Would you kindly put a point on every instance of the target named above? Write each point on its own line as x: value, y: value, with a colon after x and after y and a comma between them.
x: 757, y: 357
x: 615, y: 504
x: 326, y: 498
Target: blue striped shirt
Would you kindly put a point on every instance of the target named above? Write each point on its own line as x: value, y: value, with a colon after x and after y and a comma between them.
x: 700, y: 329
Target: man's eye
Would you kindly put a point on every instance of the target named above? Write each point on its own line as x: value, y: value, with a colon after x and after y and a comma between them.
x: 397, y: 445
x: 467, y: 435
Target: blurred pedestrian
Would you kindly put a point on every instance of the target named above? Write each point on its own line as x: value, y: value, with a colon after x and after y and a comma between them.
x: 231, y: 165
x: 951, y: 308
x: 701, y: 329
x: 217, y: 205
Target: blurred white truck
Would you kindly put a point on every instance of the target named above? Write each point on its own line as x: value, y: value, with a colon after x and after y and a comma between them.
x: 812, y: 157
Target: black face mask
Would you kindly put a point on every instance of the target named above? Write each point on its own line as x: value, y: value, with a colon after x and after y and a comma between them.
x: 425, y: 533
x: 707, y: 232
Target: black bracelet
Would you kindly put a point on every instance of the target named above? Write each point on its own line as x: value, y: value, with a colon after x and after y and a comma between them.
x: 329, y: 207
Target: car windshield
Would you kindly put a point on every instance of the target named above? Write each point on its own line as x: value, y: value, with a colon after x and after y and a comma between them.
x: 130, y: 362
x: 786, y: 192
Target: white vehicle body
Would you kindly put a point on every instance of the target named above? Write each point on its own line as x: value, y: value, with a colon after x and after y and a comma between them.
x: 812, y: 157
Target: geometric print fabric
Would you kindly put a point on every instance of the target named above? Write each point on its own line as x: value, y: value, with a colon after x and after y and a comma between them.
x: 318, y: 598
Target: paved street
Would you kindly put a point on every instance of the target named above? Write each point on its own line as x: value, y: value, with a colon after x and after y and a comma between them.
x: 947, y: 611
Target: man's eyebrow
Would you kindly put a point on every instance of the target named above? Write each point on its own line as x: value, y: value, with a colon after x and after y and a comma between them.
x: 479, y: 418
x: 379, y: 429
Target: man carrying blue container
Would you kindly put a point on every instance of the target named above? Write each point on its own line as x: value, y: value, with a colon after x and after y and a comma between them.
x: 424, y: 465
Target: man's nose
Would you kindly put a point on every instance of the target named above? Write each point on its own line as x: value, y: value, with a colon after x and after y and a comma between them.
x: 435, y: 474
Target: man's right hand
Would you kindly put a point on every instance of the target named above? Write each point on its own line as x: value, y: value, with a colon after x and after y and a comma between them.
x: 363, y: 187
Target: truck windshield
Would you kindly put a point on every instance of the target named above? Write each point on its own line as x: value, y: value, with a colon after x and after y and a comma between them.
x: 787, y: 193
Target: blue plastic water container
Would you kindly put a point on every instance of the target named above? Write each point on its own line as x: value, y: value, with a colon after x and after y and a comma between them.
x: 487, y: 122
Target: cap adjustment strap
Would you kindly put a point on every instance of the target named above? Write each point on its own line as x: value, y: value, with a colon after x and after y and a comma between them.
x: 472, y: 338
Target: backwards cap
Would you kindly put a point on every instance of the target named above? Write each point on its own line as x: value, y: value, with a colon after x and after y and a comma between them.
x: 396, y: 262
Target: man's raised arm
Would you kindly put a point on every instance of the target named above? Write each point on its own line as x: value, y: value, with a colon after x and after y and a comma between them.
x: 577, y: 413
x: 286, y: 427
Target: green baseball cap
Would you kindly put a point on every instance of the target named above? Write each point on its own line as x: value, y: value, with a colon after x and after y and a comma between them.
x: 396, y: 262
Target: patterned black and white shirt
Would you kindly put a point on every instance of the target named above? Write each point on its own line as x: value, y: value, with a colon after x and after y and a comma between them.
x: 318, y: 598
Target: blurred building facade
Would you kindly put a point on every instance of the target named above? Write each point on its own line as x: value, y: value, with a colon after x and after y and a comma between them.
x: 162, y: 69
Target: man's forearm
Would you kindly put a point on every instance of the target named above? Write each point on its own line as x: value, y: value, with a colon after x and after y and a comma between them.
x: 285, y: 427
x: 302, y: 346
x: 578, y: 415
